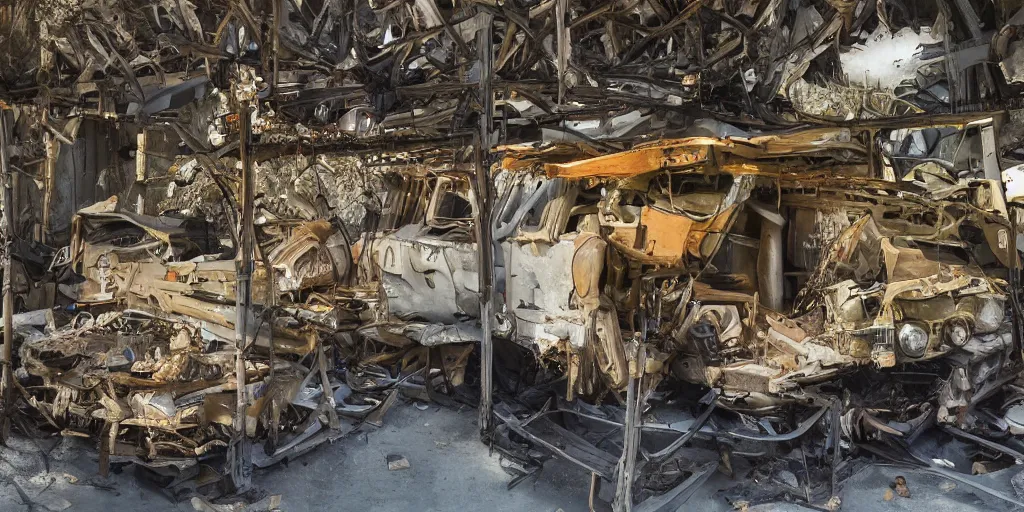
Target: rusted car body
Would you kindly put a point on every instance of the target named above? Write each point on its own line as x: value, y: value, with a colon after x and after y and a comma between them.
x: 769, y: 269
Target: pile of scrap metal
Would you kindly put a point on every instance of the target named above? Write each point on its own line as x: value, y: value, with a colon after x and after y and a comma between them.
x: 660, y: 279
x: 795, y: 300
x: 145, y: 358
x: 561, y: 68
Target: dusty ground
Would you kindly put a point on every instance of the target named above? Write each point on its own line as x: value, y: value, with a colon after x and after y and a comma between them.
x: 450, y: 470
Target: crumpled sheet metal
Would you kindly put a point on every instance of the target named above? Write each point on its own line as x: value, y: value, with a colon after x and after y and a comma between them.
x: 669, y: 214
x: 903, y: 259
x: 894, y: 266
x: 426, y: 277
x: 611, y: 72
x: 153, y: 377
x: 698, y: 150
x: 306, y: 260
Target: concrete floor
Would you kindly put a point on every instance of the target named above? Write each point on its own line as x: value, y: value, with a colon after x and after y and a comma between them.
x: 449, y: 470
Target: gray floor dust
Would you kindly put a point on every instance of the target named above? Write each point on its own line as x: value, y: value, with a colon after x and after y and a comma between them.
x: 449, y: 470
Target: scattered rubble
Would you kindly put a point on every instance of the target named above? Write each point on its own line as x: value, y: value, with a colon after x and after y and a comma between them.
x: 397, y: 462
x: 900, y: 486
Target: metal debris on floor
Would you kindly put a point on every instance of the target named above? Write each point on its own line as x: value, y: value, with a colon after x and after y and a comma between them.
x: 900, y: 486
x: 397, y: 462
x: 659, y: 240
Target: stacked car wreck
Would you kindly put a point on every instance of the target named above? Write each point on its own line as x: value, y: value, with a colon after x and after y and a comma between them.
x: 775, y: 270
x: 146, y: 360
x: 656, y: 239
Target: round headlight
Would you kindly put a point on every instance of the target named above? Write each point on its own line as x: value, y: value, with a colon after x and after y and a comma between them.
x: 956, y: 332
x: 913, y: 340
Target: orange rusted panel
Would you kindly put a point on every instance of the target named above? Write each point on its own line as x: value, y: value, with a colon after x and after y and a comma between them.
x: 631, y: 163
x: 666, y: 238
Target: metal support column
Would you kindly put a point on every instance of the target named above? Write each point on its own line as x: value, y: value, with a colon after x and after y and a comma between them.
x: 562, y: 44
x: 485, y: 257
x: 49, y: 182
x: 636, y: 397
x: 8, y: 348
x: 276, y: 12
x: 239, y: 455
